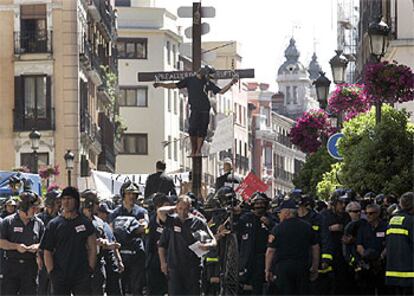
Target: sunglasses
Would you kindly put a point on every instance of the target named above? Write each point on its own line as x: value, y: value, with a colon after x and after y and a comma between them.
x: 371, y: 213
x: 355, y: 211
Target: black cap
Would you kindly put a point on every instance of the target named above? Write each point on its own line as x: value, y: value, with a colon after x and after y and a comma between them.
x: 287, y: 204
x: 73, y: 192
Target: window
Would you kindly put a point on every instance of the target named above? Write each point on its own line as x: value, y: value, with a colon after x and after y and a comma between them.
x: 174, y: 55
x: 169, y: 147
x: 175, y: 150
x: 35, y: 97
x: 134, y: 48
x: 135, y: 144
x: 169, y: 99
x: 168, y: 47
x: 27, y: 160
x: 287, y: 94
x: 295, y: 95
x: 33, y: 34
x: 175, y: 102
x: 133, y: 97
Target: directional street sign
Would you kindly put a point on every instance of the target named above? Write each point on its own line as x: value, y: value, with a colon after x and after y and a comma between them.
x: 205, y: 28
x: 178, y: 75
x: 187, y: 11
x: 332, y: 145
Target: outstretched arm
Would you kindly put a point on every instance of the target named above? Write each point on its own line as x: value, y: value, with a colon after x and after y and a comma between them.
x: 170, y: 85
x: 230, y: 84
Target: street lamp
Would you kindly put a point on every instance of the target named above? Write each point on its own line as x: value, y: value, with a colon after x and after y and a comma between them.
x: 338, y: 65
x: 35, y: 139
x: 378, y: 33
x: 69, y: 157
x: 322, y: 89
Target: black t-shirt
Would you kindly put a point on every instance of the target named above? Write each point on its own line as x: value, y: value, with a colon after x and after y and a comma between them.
x: 15, y: 231
x: 198, y: 92
x: 372, y: 237
x: 292, y: 240
x: 67, y: 240
x: 179, y: 238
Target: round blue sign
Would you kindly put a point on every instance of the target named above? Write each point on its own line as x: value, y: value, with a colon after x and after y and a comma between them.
x: 332, y: 145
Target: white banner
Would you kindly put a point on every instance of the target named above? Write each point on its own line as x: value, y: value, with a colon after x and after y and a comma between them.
x: 223, y: 135
x: 108, y: 184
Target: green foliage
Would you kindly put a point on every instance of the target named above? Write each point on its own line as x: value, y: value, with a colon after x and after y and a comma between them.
x: 312, y: 172
x: 329, y: 182
x: 378, y: 158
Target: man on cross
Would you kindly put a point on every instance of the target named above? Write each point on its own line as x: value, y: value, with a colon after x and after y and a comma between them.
x: 198, y: 87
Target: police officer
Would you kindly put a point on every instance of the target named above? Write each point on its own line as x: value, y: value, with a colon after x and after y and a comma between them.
x: 334, y: 221
x: 254, y: 228
x: 69, y: 246
x: 371, y: 247
x: 156, y: 280
x: 184, y: 229
x: 399, y: 273
x: 133, y: 253
x: 52, y: 206
x: 287, y: 256
x: 20, y: 238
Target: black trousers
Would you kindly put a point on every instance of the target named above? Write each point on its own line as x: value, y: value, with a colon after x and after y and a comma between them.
x: 98, y: 280
x: 156, y: 280
x: 45, y: 286
x: 19, y: 277
x: 184, y: 281
x: 292, y: 278
x: 133, y: 278
x: 81, y: 285
x: 113, y: 281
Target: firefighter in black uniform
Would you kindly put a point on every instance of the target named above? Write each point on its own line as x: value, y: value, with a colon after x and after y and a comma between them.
x: 399, y: 274
x: 20, y: 238
x: 254, y: 228
x: 156, y: 280
x: 371, y: 248
x: 334, y: 221
x: 293, y: 253
x: 52, y: 206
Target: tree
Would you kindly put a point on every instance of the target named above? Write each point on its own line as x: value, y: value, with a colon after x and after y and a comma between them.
x: 329, y: 182
x: 378, y: 158
x: 312, y: 171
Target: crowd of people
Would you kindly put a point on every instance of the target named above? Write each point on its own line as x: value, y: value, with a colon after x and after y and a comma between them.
x: 72, y: 242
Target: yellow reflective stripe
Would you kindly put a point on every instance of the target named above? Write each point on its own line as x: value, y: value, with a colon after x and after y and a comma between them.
x: 212, y: 224
x: 400, y: 274
x: 212, y: 259
x: 328, y: 269
x: 397, y: 231
x: 327, y: 256
x: 397, y: 220
x: 147, y: 230
x: 315, y: 227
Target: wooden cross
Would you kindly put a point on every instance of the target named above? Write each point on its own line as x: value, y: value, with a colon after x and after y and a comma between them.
x: 179, y: 75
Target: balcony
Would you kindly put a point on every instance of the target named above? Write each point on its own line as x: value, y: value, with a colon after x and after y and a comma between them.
x: 22, y: 123
x: 106, y: 159
x: 102, y: 13
x: 33, y: 42
x: 85, y: 53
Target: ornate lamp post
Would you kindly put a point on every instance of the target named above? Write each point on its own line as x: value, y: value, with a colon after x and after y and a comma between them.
x: 322, y: 85
x: 35, y: 139
x: 378, y: 32
x: 338, y: 66
x: 69, y: 157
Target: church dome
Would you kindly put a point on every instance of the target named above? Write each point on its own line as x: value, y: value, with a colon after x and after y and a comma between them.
x: 292, y: 64
x: 314, y: 68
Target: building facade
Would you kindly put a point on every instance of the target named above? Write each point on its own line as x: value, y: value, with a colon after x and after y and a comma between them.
x: 51, y: 52
x: 148, y: 41
x: 399, y: 15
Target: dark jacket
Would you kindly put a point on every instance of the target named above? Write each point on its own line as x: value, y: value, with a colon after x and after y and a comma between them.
x: 226, y: 178
x: 159, y: 182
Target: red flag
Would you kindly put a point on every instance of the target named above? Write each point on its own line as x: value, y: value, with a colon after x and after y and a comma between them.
x: 250, y: 185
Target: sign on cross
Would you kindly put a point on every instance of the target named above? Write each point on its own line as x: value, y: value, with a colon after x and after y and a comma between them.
x: 179, y: 75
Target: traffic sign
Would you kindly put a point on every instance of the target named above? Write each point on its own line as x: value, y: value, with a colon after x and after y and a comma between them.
x: 332, y: 145
x: 187, y: 11
x: 205, y: 28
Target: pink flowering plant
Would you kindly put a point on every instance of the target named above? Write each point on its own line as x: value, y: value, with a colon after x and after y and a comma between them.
x: 349, y: 99
x: 53, y: 186
x: 46, y: 172
x: 309, y: 130
x: 389, y: 83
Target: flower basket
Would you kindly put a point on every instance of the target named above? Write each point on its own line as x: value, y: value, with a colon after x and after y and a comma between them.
x: 310, y: 129
x: 46, y: 172
x: 349, y: 100
x: 389, y: 83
